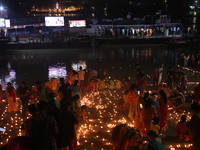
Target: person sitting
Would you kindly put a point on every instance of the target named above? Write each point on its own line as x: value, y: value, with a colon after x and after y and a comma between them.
x: 118, y: 84
x: 77, y: 109
x: 111, y: 84
x: 155, y: 142
x: 95, y: 83
x: 155, y: 125
x: 102, y: 84
x: 177, y: 99
x: 182, y: 130
x: 126, y: 83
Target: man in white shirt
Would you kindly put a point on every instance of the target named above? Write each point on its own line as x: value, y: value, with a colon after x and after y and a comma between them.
x: 81, y: 74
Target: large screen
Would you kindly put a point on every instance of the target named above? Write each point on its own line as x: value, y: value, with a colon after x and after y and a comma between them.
x: 77, y: 23
x: 2, y: 22
x: 7, y: 23
x: 54, y: 21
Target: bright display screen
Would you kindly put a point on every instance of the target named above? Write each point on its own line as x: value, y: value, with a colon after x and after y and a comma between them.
x: 54, y: 21
x: 7, y: 23
x: 77, y: 23
x: 2, y: 22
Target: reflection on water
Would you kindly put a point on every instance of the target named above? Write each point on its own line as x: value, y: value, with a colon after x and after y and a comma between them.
x: 76, y: 65
x: 33, y: 65
x: 65, y: 14
x: 57, y: 71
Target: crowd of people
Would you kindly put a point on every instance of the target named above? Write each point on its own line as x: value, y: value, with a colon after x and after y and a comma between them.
x: 51, y: 125
x: 149, y: 109
x: 55, y: 109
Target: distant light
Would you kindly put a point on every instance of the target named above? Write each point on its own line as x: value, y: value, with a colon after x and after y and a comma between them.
x: 1, y: 8
x: 192, y: 7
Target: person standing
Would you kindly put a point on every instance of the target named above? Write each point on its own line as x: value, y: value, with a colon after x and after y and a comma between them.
x: 81, y: 74
x: 1, y: 94
x: 198, y: 58
x: 194, y: 125
x: 163, y: 111
x: 139, y: 74
x: 76, y: 88
x: 186, y: 57
x: 71, y: 123
x: 155, y: 77
x: 148, y: 113
x: 125, y: 98
x: 39, y: 91
x: 176, y: 78
x: 169, y: 78
x: 32, y: 110
x: 197, y: 94
x: 43, y: 129
x: 23, y: 94
x: 132, y: 100
x: 11, y: 98
x: 62, y: 139
x: 161, y: 73
x: 183, y: 83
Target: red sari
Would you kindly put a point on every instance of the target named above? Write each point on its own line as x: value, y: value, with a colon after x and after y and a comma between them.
x: 147, y: 115
x: 182, y: 131
x: 163, y: 114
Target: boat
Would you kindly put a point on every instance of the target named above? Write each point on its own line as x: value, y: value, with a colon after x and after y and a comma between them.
x: 178, y: 41
x: 182, y: 41
x: 129, y: 41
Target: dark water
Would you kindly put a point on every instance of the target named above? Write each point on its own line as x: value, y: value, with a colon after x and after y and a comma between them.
x: 32, y: 65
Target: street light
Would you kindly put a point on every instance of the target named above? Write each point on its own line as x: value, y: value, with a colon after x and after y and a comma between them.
x: 1, y: 8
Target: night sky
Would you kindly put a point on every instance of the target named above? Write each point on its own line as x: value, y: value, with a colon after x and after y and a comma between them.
x: 116, y: 8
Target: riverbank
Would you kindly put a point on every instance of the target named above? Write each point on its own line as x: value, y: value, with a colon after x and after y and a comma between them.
x: 91, y: 41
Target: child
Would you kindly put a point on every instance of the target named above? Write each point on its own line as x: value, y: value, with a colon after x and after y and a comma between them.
x: 182, y: 130
x: 155, y: 125
x: 154, y: 97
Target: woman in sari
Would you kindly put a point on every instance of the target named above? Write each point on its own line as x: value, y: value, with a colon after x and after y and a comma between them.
x: 148, y: 113
x: 163, y: 111
x: 11, y: 98
x: 182, y: 130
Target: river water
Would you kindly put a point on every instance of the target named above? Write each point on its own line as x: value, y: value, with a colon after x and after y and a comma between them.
x: 33, y: 65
